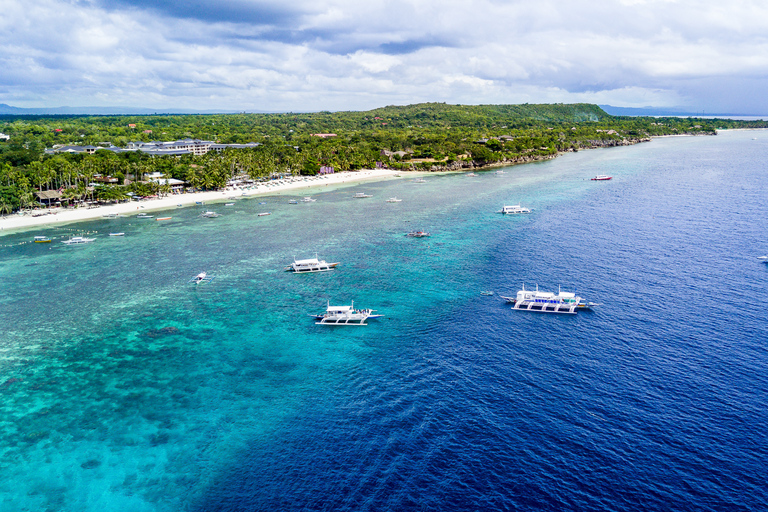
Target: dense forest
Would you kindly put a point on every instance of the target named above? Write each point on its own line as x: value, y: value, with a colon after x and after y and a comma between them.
x: 430, y: 136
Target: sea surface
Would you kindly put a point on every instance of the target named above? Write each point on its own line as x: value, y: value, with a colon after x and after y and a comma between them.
x: 123, y: 387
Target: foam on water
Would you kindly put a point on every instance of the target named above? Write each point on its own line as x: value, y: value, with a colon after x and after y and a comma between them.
x: 126, y: 388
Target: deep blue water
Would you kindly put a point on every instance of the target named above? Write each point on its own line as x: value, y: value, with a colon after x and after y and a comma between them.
x: 122, y: 387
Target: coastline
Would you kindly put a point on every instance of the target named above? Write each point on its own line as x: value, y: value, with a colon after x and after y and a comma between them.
x: 19, y: 223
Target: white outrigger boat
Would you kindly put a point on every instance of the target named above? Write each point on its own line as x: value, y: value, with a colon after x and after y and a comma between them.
x: 361, y: 195
x: 210, y: 215
x: 202, y: 277
x: 144, y: 216
x: 310, y: 265
x: 344, y: 315
x: 548, y: 302
x: 75, y: 240
x: 515, y: 208
x: 394, y: 200
x: 308, y: 199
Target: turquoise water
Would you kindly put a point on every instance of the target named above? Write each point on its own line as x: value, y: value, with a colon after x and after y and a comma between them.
x: 124, y: 387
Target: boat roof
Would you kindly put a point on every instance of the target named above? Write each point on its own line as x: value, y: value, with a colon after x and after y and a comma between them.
x: 307, y: 261
x: 339, y: 308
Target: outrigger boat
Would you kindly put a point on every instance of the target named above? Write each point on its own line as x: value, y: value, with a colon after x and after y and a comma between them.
x: 602, y: 177
x: 75, y: 240
x: 361, y: 195
x: 344, y: 315
x: 144, y: 216
x: 42, y: 240
x: 548, y: 302
x: 293, y: 201
x: 117, y: 234
x: 310, y: 265
x: 210, y: 215
x: 264, y: 214
x: 202, y: 277
x: 308, y: 200
x: 417, y: 234
x: 515, y: 208
x: 394, y: 200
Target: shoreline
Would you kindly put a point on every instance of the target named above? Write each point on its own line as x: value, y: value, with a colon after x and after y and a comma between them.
x: 19, y: 223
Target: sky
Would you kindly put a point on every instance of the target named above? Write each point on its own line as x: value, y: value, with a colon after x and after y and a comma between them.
x: 301, y: 55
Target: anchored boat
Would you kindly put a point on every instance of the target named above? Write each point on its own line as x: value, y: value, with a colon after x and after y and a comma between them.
x: 548, y: 302
x: 310, y: 265
x: 202, y: 277
x: 75, y: 240
x: 515, y: 208
x: 361, y: 195
x: 344, y: 315
x: 42, y: 240
x: 602, y: 177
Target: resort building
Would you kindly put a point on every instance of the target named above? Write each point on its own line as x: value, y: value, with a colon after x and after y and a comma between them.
x: 156, y: 148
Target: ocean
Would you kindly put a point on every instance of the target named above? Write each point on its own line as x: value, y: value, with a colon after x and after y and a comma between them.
x: 123, y: 387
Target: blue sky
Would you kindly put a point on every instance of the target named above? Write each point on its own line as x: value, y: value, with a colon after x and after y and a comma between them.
x: 302, y: 55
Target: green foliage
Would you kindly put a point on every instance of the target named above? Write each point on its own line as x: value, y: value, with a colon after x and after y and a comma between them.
x: 429, y: 134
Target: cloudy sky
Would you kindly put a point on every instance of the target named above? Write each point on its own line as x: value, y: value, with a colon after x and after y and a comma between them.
x: 302, y: 55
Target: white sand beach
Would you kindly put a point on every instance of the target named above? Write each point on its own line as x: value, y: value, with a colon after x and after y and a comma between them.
x: 299, y: 185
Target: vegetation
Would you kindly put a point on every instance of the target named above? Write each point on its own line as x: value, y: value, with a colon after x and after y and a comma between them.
x: 423, y: 136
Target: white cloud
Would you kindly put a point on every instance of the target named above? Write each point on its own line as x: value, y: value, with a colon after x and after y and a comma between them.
x: 340, y: 54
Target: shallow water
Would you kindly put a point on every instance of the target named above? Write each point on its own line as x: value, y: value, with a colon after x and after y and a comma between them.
x: 124, y: 387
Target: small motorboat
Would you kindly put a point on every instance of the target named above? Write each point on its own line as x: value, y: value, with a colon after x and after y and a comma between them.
x: 163, y: 218
x: 117, y: 234
x: 264, y: 214
x: 602, y: 177
x: 417, y: 234
x: 210, y: 215
x: 42, y: 240
x: 229, y: 204
x: 486, y: 293
x: 394, y: 200
x: 308, y: 200
x: 293, y: 201
x: 761, y: 258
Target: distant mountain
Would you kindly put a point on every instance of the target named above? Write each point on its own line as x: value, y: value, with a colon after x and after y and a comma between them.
x: 666, y: 112
x: 104, y: 111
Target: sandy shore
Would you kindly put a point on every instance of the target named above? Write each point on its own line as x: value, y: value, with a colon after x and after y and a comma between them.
x: 308, y: 186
